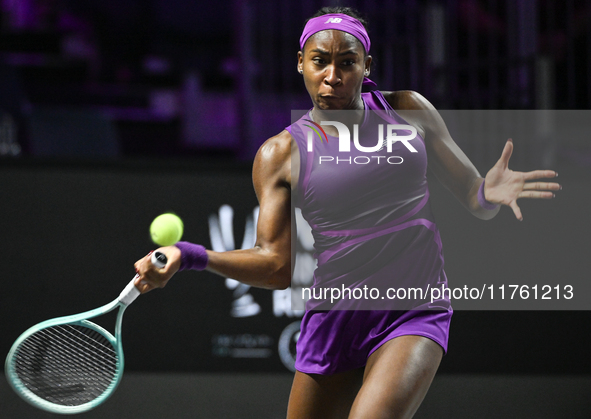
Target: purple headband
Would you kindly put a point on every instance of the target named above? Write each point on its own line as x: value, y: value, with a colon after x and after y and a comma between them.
x: 339, y: 22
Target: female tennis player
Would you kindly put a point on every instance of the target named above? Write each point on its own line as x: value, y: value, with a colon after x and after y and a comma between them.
x: 358, y: 363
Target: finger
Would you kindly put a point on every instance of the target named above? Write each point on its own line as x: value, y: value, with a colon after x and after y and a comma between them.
x: 516, y: 210
x: 144, y: 263
x: 143, y: 284
x: 539, y: 174
x: 144, y: 287
x: 536, y: 194
x: 139, y: 283
x: 141, y: 268
x: 506, y: 155
x: 542, y: 186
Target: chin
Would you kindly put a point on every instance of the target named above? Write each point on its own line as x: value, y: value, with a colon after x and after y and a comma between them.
x: 331, y: 104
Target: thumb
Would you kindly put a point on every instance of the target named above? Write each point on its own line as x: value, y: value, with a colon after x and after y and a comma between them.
x: 506, y: 155
x: 516, y: 210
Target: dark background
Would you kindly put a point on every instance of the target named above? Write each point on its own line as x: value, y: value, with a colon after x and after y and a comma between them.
x: 114, y: 112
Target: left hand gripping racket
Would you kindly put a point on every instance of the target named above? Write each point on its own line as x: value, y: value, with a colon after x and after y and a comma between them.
x: 68, y: 364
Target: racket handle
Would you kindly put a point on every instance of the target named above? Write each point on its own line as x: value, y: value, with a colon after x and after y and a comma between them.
x: 159, y: 260
x: 130, y: 292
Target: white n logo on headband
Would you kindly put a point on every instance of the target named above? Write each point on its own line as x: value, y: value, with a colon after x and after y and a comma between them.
x: 334, y: 20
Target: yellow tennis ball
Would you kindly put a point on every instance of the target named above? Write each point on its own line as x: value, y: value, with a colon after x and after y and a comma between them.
x: 166, y: 229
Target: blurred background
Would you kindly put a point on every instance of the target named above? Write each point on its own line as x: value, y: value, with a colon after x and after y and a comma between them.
x: 112, y: 112
x: 181, y: 78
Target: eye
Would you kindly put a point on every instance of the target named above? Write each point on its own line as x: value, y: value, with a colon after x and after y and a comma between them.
x: 318, y: 60
x: 348, y: 62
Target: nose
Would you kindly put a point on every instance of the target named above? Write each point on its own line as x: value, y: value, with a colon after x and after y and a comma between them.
x: 331, y: 76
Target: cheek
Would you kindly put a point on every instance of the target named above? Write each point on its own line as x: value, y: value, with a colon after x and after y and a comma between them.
x: 311, y: 84
x: 312, y: 78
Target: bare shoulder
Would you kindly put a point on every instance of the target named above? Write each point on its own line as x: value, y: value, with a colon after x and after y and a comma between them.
x: 407, y: 100
x: 273, y: 160
x: 275, y: 149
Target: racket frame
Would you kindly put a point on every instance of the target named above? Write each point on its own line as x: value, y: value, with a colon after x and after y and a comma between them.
x: 77, y: 319
x: 127, y: 296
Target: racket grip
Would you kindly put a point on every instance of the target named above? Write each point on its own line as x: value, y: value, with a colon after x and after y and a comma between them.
x: 130, y: 292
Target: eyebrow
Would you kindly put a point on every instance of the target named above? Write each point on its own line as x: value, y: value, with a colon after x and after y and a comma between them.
x: 323, y: 52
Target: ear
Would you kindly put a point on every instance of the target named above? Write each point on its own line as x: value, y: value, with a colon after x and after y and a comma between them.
x: 367, y: 65
x: 300, y: 62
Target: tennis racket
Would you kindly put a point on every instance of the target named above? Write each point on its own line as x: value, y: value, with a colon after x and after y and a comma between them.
x: 68, y: 364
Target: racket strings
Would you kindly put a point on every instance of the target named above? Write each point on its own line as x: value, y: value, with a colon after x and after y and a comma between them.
x: 72, y: 366
x: 66, y: 364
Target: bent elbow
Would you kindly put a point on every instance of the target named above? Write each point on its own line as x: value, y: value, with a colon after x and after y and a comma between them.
x: 280, y: 285
x: 281, y: 279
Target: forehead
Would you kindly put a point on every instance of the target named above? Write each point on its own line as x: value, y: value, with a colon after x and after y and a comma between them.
x: 333, y: 39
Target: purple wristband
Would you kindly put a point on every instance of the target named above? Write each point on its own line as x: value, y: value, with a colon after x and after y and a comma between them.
x: 482, y: 200
x: 193, y: 256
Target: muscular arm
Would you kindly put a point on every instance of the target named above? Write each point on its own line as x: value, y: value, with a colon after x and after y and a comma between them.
x: 268, y: 263
x: 446, y: 160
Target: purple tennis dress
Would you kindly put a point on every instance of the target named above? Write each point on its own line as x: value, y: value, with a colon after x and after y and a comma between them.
x: 373, y: 227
